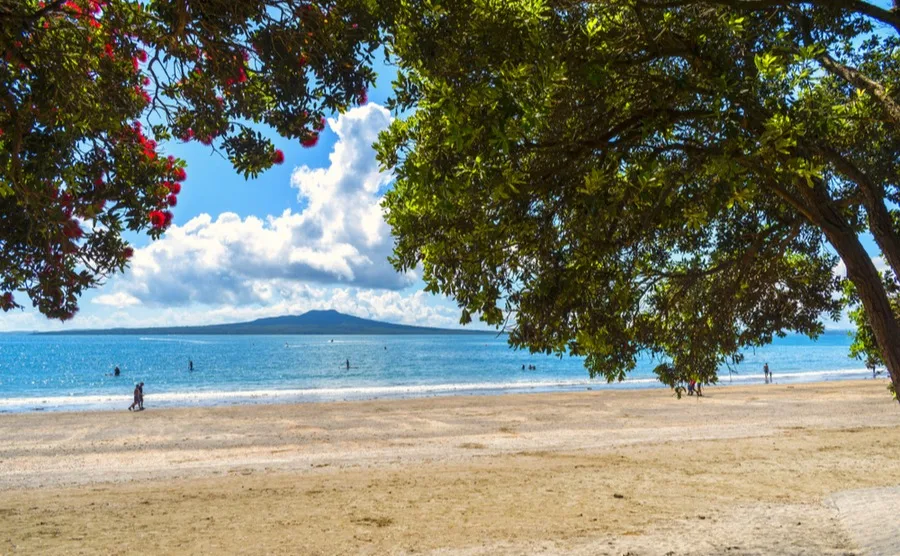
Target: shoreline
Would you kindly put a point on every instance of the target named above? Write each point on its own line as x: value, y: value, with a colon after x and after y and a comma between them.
x: 111, y: 402
x: 745, y: 469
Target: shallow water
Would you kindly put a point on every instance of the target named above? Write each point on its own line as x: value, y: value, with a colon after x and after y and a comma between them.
x: 75, y: 372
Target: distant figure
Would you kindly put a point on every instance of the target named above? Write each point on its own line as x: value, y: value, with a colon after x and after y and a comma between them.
x: 523, y: 367
x: 190, y: 365
x: 117, y: 372
x: 385, y: 348
x: 348, y: 364
x: 691, y: 388
x: 699, y: 391
x: 138, y: 397
x: 332, y: 341
x: 766, y: 372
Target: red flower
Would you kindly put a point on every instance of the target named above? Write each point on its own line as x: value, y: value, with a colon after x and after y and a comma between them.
x: 168, y: 216
x: 145, y: 80
x: 108, y: 50
x: 157, y: 218
x: 128, y: 252
x: 363, y: 97
x: 72, y: 230
x: 6, y: 301
x: 310, y: 140
x: 172, y: 200
x: 302, y: 60
x: 320, y: 125
x: 174, y: 187
x: 142, y: 55
x: 180, y: 174
x: 278, y: 157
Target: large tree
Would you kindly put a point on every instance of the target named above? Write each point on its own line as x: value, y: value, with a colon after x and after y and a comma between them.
x: 662, y: 176
x: 618, y: 176
x: 92, y: 89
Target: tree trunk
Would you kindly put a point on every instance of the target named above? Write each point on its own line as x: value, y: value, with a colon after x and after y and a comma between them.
x: 862, y: 272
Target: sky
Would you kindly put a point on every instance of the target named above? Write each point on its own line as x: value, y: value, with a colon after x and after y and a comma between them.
x: 308, y: 234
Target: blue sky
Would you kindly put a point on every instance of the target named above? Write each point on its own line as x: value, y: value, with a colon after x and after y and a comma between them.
x: 305, y: 235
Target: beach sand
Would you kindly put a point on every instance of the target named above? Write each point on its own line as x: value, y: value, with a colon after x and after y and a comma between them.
x: 768, y: 469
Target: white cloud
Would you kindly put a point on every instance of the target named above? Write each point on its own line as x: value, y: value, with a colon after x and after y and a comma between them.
x: 280, y: 298
x: 339, y: 237
x: 118, y: 299
x: 840, y: 269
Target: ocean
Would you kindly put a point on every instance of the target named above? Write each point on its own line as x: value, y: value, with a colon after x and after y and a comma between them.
x: 75, y: 373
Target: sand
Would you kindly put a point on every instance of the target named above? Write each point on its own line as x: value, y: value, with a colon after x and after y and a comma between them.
x: 768, y: 469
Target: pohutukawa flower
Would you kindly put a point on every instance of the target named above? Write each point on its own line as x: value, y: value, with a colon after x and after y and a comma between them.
x: 180, y: 174
x: 72, y: 229
x: 128, y: 252
x: 278, y: 157
x: 172, y: 200
x: 310, y: 140
x: 157, y: 218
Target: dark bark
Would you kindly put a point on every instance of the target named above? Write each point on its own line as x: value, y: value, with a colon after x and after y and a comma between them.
x: 862, y: 272
x: 880, y: 222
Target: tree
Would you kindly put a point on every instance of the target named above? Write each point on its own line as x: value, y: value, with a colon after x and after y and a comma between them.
x: 92, y: 89
x: 668, y: 176
x: 671, y: 176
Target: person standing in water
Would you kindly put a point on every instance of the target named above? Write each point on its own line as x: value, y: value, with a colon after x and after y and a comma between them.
x: 348, y: 364
x: 766, y: 372
x: 190, y: 365
x: 117, y: 372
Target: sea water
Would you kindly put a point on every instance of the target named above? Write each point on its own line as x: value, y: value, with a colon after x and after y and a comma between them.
x: 76, y: 372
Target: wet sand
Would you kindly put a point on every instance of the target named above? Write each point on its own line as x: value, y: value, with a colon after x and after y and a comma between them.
x: 801, y: 469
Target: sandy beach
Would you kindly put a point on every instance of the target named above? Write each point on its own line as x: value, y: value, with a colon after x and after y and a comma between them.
x: 801, y: 469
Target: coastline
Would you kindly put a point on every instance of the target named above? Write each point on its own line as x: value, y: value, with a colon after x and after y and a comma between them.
x: 765, y: 469
x: 222, y: 398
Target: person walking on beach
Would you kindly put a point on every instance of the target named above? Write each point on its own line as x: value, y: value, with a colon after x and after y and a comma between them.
x: 141, y: 395
x: 138, y: 397
x: 766, y: 372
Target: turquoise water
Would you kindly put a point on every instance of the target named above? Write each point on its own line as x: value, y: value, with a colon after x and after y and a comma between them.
x: 74, y: 372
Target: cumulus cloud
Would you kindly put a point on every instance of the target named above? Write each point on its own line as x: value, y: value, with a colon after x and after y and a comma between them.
x: 338, y: 238
x: 118, y: 300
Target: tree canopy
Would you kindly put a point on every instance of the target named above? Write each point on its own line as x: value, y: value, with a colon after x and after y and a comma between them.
x: 92, y: 89
x: 616, y: 177
x: 639, y: 176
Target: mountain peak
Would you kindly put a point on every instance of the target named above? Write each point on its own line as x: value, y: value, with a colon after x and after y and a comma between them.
x: 320, y: 321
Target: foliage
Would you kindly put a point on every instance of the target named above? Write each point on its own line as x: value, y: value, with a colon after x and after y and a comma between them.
x: 621, y: 177
x: 92, y: 89
x: 617, y: 177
